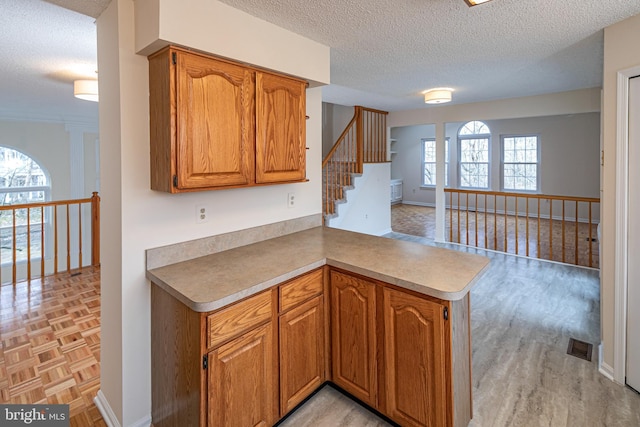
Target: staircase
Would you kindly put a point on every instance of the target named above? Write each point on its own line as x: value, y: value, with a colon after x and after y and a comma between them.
x: 364, y: 140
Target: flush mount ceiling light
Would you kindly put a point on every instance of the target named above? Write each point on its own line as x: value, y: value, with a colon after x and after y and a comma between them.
x: 86, y: 89
x: 475, y: 2
x: 438, y: 95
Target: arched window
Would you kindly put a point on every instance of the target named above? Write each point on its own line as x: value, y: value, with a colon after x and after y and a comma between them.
x: 22, y: 179
x: 473, y: 141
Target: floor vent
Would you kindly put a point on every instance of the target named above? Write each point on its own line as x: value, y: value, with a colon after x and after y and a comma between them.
x: 580, y: 349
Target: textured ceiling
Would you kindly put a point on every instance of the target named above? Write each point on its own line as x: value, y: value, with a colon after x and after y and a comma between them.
x: 383, y: 53
x: 45, y: 48
x: 387, y: 52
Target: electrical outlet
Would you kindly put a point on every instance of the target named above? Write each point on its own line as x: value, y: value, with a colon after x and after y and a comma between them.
x: 291, y: 200
x: 202, y: 214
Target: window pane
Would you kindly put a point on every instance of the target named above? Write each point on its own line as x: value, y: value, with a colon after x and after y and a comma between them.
x: 474, y: 175
x: 429, y: 174
x: 520, y: 163
x: 429, y: 151
x: 520, y: 177
x: 474, y: 128
x: 474, y: 150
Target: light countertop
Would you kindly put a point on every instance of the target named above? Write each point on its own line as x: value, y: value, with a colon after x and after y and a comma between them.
x: 213, y: 281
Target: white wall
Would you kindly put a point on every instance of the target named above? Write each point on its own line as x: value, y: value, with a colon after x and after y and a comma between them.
x: 572, y: 102
x: 406, y: 163
x: 59, y: 148
x: 368, y: 209
x: 49, y: 144
x: 136, y: 218
x: 212, y: 26
x: 335, y: 119
x: 569, y: 145
x: 620, y: 52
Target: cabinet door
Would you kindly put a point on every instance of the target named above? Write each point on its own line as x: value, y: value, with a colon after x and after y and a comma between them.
x: 415, y: 354
x: 302, y: 353
x: 241, y: 382
x: 280, y: 129
x: 353, y: 336
x: 215, y: 124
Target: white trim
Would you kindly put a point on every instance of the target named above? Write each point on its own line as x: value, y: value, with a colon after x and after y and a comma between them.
x: 90, y: 122
x: 110, y: 417
x: 622, y: 217
x: 142, y: 422
x: 537, y: 163
x: 604, y: 368
x: 426, y: 204
x: 383, y: 232
x: 107, y: 413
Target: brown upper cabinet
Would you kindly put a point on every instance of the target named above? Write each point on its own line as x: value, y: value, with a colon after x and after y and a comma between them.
x: 217, y: 124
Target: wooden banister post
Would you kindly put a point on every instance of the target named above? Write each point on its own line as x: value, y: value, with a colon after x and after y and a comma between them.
x: 95, y: 229
x: 359, y: 138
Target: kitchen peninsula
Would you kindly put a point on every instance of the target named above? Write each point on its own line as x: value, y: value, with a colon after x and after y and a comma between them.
x: 243, y: 336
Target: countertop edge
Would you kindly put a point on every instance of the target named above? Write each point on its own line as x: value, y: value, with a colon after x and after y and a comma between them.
x: 207, y: 306
x: 424, y: 290
x: 203, y: 306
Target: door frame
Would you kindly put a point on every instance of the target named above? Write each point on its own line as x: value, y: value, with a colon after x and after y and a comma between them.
x: 622, y: 218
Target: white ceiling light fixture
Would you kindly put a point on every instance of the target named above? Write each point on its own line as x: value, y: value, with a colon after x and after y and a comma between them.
x: 475, y: 2
x: 438, y: 95
x: 86, y: 89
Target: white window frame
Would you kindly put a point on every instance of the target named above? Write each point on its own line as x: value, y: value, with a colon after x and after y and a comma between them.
x: 536, y: 163
x: 477, y: 136
x: 424, y: 163
x: 46, y: 190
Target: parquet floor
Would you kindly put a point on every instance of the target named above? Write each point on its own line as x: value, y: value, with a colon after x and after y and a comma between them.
x: 50, y: 336
x: 488, y: 232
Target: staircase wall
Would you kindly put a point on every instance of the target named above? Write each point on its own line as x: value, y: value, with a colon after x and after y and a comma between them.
x: 367, y: 208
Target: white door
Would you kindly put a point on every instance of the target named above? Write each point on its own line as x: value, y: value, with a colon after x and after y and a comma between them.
x: 633, y: 292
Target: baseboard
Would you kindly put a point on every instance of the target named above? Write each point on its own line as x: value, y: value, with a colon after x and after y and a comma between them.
x: 383, y: 232
x: 105, y: 410
x: 408, y: 202
x: 110, y: 417
x: 604, y: 368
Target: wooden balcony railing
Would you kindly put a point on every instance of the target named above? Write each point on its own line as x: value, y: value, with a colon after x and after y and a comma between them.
x: 39, y: 239
x: 364, y: 140
x: 556, y: 228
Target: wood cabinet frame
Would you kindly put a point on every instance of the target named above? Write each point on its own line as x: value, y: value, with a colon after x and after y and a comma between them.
x: 180, y: 337
x: 217, y: 124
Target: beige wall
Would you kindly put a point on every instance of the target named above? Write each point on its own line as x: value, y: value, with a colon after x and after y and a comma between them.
x: 620, y: 52
x: 136, y: 218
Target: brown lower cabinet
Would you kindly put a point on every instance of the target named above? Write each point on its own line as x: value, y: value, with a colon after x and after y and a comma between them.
x: 240, y: 380
x: 251, y: 363
x: 353, y: 336
x: 302, y: 353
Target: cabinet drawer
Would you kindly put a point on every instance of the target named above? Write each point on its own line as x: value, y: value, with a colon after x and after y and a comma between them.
x: 238, y: 318
x: 300, y: 289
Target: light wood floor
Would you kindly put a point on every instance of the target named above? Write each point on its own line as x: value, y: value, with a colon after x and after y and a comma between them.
x: 50, y: 335
x: 578, y: 247
x: 523, y: 312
